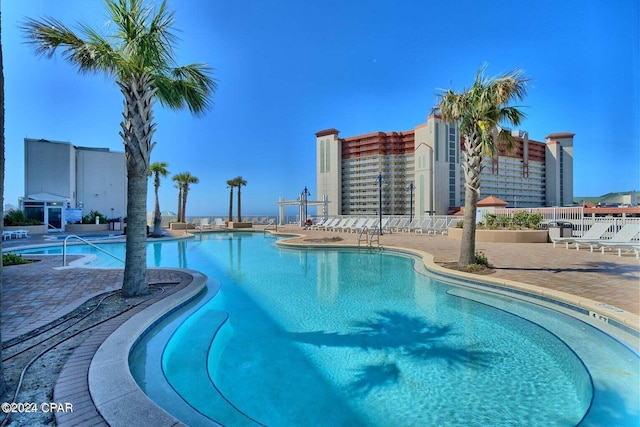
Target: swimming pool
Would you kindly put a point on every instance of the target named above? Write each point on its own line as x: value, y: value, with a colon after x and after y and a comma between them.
x: 328, y: 337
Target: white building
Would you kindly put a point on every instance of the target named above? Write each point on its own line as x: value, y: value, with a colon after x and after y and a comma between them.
x: 63, y: 181
x: 420, y: 171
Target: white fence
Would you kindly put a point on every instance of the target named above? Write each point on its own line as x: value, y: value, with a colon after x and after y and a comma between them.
x: 575, y: 215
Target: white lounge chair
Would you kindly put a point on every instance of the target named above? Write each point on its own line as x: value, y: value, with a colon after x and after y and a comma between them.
x: 400, y: 225
x: 219, y: 223
x: 415, y: 223
x: 346, y: 225
x: 592, y: 235
x: 330, y: 224
x: 621, y: 241
x: 357, y: 225
x: 368, y: 225
x: 341, y: 222
x: 203, y: 224
x: 439, y: 226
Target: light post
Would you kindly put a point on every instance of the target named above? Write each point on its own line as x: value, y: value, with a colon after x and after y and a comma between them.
x: 411, y: 187
x: 306, y: 195
x: 380, y: 204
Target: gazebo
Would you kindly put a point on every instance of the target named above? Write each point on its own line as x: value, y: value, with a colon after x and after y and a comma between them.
x: 492, y: 202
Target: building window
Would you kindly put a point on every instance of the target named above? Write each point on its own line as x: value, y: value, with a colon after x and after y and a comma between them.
x: 328, y: 157
x: 321, y: 156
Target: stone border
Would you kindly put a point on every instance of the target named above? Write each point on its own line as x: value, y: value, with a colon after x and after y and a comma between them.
x: 115, y: 393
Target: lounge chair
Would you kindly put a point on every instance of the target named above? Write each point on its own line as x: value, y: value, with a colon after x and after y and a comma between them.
x: 439, y: 226
x: 341, y: 222
x: 400, y: 225
x: 329, y: 224
x: 346, y: 225
x: 377, y: 225
x: 203, y: 224
x: 357, y: 225
x: 368, y: 225
x: 592, y: 235
x: 391, y: 225
x: 621, y: 241
x: 7, y: 235
x: 319, y: 224
x: 415, y: 223
x: 219, y: 223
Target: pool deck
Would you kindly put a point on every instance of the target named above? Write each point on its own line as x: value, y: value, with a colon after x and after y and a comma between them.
x: 35, y: 294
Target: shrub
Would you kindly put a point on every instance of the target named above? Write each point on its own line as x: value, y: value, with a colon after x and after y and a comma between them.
x: 17, y: 217
x: 13, y: 259
x: 481, y: 259
x: 90, y: 218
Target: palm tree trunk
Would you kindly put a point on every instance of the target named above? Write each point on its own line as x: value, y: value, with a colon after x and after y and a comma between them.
x: 230, y: 203
x: 239, y: 204
x: 135, y: 266
x: 184, y: 205
x: 180, y: 205
x: 137, y: 133
x: 468, y: 242
x: 157, y: 216
x: 2, y: 381
x: 472, y: 167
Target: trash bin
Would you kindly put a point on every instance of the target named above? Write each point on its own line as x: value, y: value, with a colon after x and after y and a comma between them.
x: 559, y: 229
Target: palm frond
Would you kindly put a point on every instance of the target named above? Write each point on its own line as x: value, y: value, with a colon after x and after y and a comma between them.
x: 190, y: 85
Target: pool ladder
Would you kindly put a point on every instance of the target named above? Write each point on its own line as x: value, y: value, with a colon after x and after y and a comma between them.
x: 64, y: 249
x: 368, y: 235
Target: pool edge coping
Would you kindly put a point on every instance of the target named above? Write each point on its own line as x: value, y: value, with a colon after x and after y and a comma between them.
x: 115, y: 393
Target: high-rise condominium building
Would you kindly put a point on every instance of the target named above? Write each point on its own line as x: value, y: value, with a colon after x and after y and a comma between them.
x: 420, y: 170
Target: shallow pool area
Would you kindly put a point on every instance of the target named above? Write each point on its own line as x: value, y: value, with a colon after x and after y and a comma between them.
x: 359, y: 337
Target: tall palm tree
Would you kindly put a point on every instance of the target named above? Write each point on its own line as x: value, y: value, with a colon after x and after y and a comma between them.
x: 239, y: 183
x: 139, y: 56
x: 179, y: 187
x: 479, y: 111
x: 157, y: 170
x: 2, y: 381
x: 184, y: 180
x: 231, y: 183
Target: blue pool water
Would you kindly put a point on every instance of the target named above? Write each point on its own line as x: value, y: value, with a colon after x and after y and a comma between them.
x: 328, y: 337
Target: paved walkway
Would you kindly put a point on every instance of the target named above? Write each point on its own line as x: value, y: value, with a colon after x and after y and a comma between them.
x: 37, y: 293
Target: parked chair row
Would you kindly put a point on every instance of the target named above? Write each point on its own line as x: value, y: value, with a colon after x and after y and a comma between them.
x: 204, y: 224
x: 624, y: 240
x: 430, y: 225
x: 17, y: 234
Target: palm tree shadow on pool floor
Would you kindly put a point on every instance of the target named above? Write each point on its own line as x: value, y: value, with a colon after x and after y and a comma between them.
x: 392, y: 332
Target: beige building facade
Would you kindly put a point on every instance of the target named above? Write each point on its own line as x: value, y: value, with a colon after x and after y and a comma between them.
x: 61, y: 178
x: 418, y: 172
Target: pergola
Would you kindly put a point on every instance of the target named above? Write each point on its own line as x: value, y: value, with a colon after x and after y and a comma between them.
x: 303, y: 204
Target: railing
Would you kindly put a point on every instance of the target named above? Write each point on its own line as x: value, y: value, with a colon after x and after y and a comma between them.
x: 57, y: 230
x: 64, y: 249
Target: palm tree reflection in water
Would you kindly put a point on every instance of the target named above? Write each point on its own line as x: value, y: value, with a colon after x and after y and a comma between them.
x: 394, y: 333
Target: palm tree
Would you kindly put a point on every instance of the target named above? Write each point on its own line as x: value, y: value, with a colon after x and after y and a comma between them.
x: 479, y: 111
x: 139, y: 56
x: 157, y: 170
x: 2, y: 381
x: 239, y: 183
x: 231, y: 183
x: 179, y: 187
x: 184, y: 180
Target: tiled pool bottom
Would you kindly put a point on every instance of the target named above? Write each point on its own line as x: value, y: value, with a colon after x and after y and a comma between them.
x: 277, y: 365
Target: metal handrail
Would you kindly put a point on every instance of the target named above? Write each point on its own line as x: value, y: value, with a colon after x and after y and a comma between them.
x: 64, y: 249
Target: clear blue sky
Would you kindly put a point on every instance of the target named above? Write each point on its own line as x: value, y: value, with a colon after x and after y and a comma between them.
x: 289, y: 68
